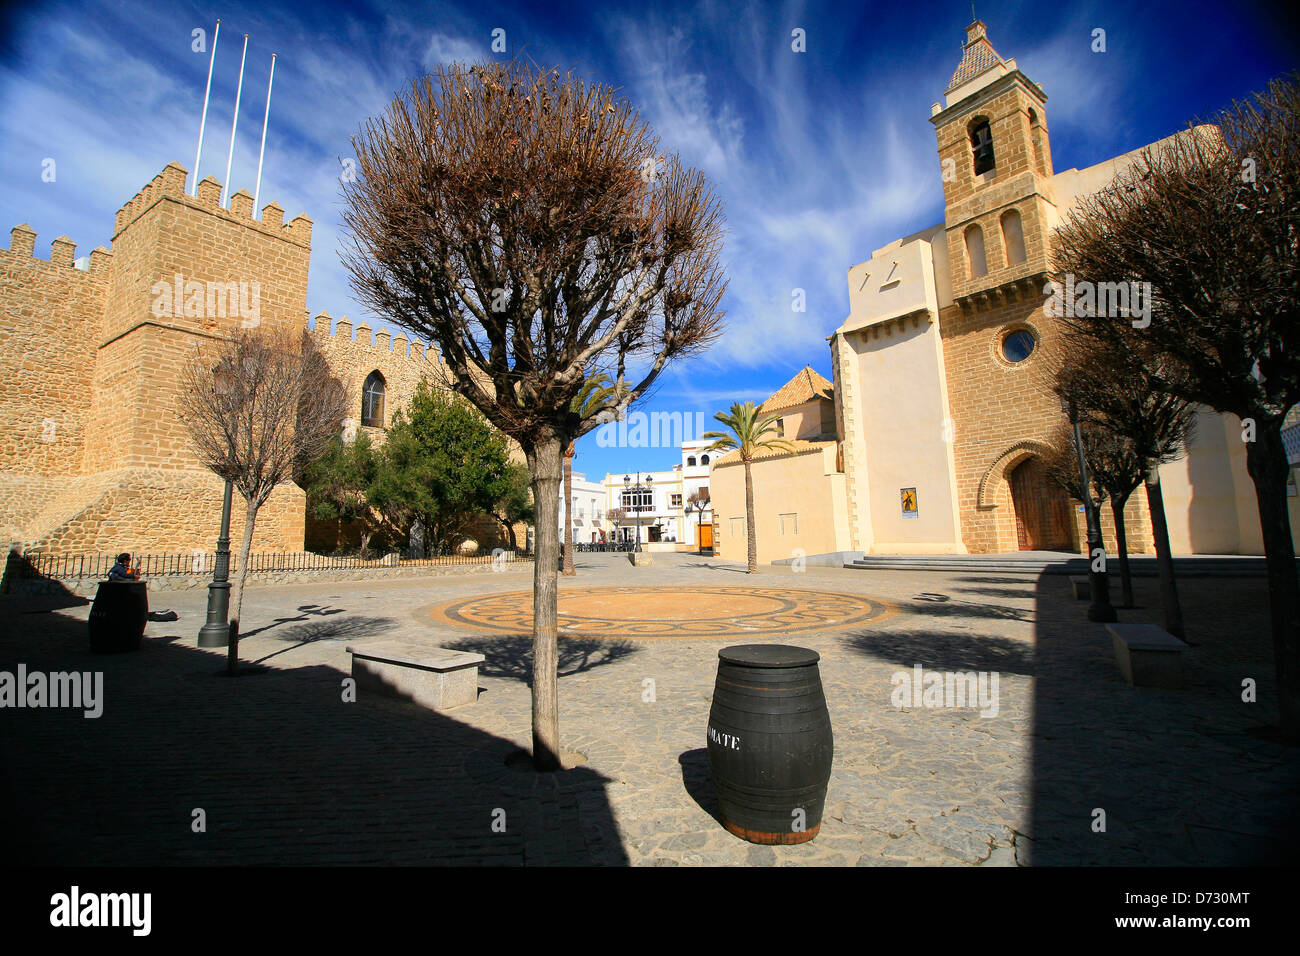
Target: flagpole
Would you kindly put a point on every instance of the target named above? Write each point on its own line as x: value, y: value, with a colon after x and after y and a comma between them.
x: 204, y: 119
x: 230, y: 157
x: 261, y: 153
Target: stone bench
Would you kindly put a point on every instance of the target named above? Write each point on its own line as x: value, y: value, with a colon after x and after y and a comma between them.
x: 1147, y: 655
x: 433, y: 677
x: 1082, y: 588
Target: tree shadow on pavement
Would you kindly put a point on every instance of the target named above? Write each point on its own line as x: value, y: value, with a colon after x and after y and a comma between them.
x: 286, y: 770
x: 511, y: 656
x: 335, y: 629
x: 1176, y: 772
x: 938, y: 650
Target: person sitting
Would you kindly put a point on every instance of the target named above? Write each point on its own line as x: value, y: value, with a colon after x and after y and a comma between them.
x: 122, y: 571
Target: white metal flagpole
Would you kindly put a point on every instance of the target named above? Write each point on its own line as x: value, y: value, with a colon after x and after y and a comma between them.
x: 261, y: 153
x: 204, y: 119
x: 230, y: 157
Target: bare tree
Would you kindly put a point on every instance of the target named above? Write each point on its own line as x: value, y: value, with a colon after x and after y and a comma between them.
x: 1209, y: 220
x: 1115, y: 473
x: 260, y: 407
x: 1113, y: 387
x: 616, y: 517
x: 699, y: 501
x: 531, y: 226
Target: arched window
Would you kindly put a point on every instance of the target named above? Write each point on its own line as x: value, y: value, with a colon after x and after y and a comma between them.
x: 976, y: 263
x: 1036, y: 138
x: 372, y: 401
x: 981, y: 144
x: 704, y: 460
x: 1013, y: 237
x: 690, y: 462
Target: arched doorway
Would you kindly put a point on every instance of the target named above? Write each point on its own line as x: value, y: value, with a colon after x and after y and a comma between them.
x: 1042, y: 512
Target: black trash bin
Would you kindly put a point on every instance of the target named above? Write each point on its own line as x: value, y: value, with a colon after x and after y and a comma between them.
x: 770, y: 743
x: 118, y: 616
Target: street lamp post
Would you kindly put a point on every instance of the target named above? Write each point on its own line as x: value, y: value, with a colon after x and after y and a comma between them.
x: 216, y: 632
x: 636, y: 491
x: 1100, y: 608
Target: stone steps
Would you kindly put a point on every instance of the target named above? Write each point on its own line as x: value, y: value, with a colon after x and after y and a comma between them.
x: 1141, y: 566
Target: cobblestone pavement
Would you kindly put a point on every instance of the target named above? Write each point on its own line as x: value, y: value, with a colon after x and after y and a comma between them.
x: 286, y: 772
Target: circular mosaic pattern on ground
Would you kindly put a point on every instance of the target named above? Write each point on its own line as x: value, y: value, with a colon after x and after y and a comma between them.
x: 671, y: 613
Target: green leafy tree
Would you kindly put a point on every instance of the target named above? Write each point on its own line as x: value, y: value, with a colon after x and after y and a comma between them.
x: 751, y: 433
x: 514, y: 501
x: 338, y: 482
x: 442, y: 465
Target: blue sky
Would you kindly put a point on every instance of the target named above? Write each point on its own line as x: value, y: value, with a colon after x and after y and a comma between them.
x: 819, y: 157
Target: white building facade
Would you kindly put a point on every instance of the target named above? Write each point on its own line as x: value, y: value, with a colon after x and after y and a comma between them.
x: 589, y: 509
x: 659, y: 509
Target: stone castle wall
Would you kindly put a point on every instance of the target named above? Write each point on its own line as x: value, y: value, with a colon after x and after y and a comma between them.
x: 95, y: 457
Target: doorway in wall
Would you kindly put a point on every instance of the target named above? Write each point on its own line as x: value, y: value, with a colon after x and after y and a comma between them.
x: 1042, y: 511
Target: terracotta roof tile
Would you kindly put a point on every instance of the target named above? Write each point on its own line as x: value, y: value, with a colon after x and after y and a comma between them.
x: 798, y: 447
x: 804, y: 387
x: 977, y: 56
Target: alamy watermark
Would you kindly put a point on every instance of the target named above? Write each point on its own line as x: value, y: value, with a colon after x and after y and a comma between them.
x: 208, y: 300
x: 75, y: 908
x: 1129, y: 300
x: 652, y: 430
x: 37, y: 689
x: 946, y: 689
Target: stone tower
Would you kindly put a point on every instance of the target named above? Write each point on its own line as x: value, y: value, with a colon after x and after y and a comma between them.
x: 99, y: 460
x: 999, y: 348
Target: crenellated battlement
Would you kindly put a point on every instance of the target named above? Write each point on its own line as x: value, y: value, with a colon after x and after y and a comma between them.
x: 170, y: 183
x: 112, y: 331
x: 383, y: 341
x: 63, y: 252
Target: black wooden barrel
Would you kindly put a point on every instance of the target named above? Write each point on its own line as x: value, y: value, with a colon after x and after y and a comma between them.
x: 770, y: 743
x: 118, y: 616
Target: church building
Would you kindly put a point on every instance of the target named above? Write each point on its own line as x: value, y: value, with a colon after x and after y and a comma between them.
x: 943, y: 370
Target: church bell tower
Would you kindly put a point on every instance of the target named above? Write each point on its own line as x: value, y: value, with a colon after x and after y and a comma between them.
x: 996, y: 163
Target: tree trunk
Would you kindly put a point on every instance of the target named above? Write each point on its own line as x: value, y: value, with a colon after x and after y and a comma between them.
x: 544, y: 463
x: 568, y: 513
x: 237, y: 590
x: 749, y: 519
x: 1121, y: 543
x: 1164, y: 559
x: 1267, y: 463
x: 510, y: 534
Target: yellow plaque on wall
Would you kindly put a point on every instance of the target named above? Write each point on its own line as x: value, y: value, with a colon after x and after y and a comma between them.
x: 908, y: 496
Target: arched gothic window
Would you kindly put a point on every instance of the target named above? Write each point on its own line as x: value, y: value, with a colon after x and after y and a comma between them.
x: 981, y: 144
x: 372, y: 401
x: 975, y: 260
x: 1013, y: 237
x: 1036, y: 138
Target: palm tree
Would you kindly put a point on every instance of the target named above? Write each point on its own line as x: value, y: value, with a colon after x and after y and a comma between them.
x: 596, y: 391
x: 750, y: 433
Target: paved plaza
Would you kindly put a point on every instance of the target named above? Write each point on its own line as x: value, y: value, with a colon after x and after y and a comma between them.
x: 285, y: 771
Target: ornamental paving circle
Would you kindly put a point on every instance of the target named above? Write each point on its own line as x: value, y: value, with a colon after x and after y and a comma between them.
x: 671, y: 613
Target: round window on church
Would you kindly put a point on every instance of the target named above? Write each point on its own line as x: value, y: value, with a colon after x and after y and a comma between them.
x: 1018, y: 345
